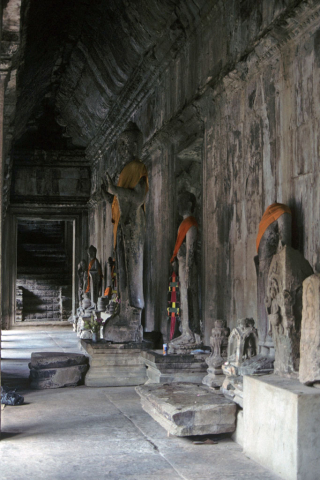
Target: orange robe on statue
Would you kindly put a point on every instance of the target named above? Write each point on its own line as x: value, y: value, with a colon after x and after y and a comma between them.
x: 129, y: 178
x: 182, y: 232
x: 89, y: 268
x: 272, y: 213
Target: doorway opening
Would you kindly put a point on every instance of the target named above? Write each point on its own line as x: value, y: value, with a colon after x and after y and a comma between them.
x: 44, y: 271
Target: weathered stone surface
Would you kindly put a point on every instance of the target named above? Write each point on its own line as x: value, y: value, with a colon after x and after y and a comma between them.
x: 113, y: 365
x: 309, y: 369
x: 174, y: 368
x: 56, y: 370
x: 186, y: 409
x: 42, y: 360
x: 287, y: 271
x: 281, y: 425
x: 57, y: 377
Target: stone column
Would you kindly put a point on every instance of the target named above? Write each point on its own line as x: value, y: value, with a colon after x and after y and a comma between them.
x: 3, y: 76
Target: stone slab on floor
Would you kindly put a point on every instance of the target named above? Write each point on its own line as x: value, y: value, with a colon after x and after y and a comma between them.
x: 174, y: 368
x: 185, y: 409
x: 114, y: 364
x: 57, y: 370
x: 282, y: 426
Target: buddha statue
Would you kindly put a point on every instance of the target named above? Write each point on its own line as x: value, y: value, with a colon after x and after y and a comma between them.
x: 185, y: 254
x: 128, y: 217
x: 274, y: 232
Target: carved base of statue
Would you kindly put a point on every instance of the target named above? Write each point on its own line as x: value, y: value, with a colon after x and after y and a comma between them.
x: 185, y: 344
x: 124, y: 327
x: 215, y: 370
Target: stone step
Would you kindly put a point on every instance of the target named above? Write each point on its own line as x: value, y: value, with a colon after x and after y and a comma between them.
x: 185, y: 409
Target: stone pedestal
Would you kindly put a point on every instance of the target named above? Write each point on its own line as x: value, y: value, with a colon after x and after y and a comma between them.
x: 282, y: 426
x: 186, y: 409
x: 56, y: 370
x: 114, y: 364
x: 174, y: 368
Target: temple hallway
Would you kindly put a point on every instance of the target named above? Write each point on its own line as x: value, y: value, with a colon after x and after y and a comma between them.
x: 98, y: 433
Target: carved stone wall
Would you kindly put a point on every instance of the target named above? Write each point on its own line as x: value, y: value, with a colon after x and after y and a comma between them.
x: 256, y: 116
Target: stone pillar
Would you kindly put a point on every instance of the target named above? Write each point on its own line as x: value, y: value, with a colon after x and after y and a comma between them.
x: 2, y: 90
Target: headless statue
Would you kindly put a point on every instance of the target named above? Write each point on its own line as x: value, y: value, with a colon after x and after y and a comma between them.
x: 185, y: 252
x: 128, y: 216
x: 94, y: 277
x: 274, y: 232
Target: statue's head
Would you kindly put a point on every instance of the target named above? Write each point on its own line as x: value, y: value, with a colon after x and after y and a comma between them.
x: 129, y: 143
x: 92, y: 252
x: 186, y: 203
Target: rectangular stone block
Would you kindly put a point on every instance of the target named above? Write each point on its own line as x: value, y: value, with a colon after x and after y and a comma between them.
x: 174, y: 368
x: 185, y: 409
x: 113, y: 365
x: 282, y: 426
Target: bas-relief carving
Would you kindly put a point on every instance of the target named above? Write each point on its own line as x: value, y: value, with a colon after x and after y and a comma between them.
x: 309, y: 371
x: 288, y: 270
x: 219, y: 346
x: 275, y: 236
x: 185, y: 253
x: 129, y: 237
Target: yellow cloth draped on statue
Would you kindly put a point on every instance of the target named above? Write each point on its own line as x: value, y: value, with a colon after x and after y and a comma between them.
x: 129, y: 178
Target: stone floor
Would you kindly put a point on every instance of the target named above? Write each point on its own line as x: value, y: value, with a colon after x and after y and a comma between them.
x: 98, y: 433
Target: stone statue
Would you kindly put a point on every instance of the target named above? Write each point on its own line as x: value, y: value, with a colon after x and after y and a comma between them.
x: 94, y: 277
x: 309, y: 371
x: 185, y: 252
x: 82, y: 279
x: 242, y: 359
x: 128, y: 216
x: 274, y: 232
x: 242, y: 345
x: 288, y: 270
x: 219, y: 345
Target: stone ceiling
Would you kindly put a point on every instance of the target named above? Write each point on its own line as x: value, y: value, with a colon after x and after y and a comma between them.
x: 84, y: 62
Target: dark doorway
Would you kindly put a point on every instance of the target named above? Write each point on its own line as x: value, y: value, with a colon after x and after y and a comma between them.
x: 44, y: 271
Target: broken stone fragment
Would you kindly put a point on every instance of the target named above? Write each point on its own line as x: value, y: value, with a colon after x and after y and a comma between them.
x: 187, y: 409
x: 57, y: 370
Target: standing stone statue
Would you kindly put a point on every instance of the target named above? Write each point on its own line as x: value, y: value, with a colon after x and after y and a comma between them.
x: 274, y: 232
x: 82, y: 279
x: 288, y: 270
x: 128, y: 216
x: 219, y: 345
x: 94, y: 277
x: 185, y: 252
x: 309, y: 371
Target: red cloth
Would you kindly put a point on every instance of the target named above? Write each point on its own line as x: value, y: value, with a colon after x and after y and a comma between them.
x: 272, y: 213
x: 182, y: 232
